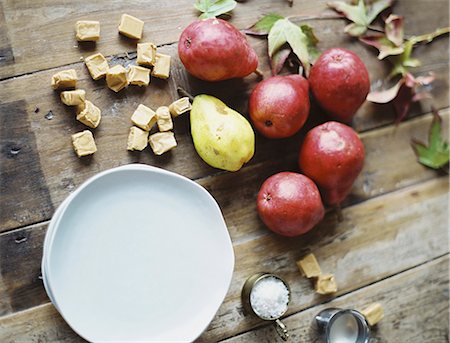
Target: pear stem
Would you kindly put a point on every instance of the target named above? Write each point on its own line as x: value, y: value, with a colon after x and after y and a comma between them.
x: 183, y: 92
x: 259, y: 73
x: 338, y: 210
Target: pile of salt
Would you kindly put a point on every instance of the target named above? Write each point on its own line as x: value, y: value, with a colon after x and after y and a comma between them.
x: 269, y: 298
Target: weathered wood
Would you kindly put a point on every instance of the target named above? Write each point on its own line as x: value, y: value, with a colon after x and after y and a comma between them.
x: 41, y: 33
x: 415, y: 304
x: 379, y: 238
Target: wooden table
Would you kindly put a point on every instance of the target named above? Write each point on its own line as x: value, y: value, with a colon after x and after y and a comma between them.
x: 391, y: 247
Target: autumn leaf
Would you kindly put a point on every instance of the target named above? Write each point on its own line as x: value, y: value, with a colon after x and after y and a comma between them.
x: 301, y: 43
x: 279, y: 58
x: 262, y: 26
x: 360, y: 14
x: 403, y: 94
x: 436, y: 154
x: 214, y: 8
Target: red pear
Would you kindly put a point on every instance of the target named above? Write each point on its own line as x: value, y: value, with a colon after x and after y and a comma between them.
x: 289, y: 204
x: 214, y: 50
x: 340, y: 83
x: 332, y: 155
x: 279, y: 105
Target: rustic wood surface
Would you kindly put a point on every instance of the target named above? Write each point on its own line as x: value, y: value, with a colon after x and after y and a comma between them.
x: 391, y: 247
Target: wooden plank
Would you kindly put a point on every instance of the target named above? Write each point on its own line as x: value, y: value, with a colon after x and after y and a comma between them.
x: 379, y: 238
x: 26, y: 106
x: 415, y: 304
x: 41, y: 32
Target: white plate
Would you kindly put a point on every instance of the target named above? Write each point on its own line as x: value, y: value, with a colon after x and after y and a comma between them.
x: 139, y: 254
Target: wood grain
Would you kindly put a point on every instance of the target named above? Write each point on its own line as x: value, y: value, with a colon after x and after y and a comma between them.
x: 415, y: 304
x: 379, y: 238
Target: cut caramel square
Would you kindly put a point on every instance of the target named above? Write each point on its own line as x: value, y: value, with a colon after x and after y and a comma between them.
x: 373, y: 313
x: 89, y: 114
x: 87, y: 30
x: 179, y: 106
x: 146, y: 54
x: 138, y: 76
x: 164, y: 119
x: 65, y: 79
x: 73, y: 98
x: 326, y: 284
x: 97, y: 65
x: 131, y: 27
x: 144, y: 117
x: 161, y: 68
x: 116, y: 78
x: 162, y: 142
x: 83, y: 143
x: 308, y: 266
x: 137, y: 139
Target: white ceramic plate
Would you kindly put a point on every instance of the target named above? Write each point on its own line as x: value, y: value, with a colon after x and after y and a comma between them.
x: 139, y: 254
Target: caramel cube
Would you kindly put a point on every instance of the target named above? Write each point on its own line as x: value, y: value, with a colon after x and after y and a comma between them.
x: 131, y: 27
x: 162, y: 142
x: 83, y: 143
x: 97, y: 65
x: 65, y: 79
x: 373, y: 313
x: 180, y: 106
x: 146, y: 54
x: 144, y: 117
x: 137, y: 139
x: 326, y: 284
x: 164, y: 119
x: 73, y: 98
x: 87, y: 30
x: 89, y: 114
x: 162, y: 66
x: 308, y: 266
x: 116, y: 78
x: 138, y: 76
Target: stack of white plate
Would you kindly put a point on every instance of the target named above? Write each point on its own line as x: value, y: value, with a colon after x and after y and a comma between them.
x: 138, y: 254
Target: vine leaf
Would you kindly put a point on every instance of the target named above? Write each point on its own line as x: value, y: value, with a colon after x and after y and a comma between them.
x: 405, y: 92
x: 436, y: 154
x: 360, y: 14
x: 214, y: 8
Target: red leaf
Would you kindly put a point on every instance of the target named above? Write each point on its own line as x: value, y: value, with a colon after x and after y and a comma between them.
x: 278, y: 59
x: 394, y: 29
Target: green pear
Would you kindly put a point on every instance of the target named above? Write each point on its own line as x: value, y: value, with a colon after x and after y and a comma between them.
x: 222, y: 137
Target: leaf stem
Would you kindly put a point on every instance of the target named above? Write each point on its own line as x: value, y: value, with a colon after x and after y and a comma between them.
x: 183, y: 92
x: 259, y: 73
x: 376, y: 29
x: 428, y: 37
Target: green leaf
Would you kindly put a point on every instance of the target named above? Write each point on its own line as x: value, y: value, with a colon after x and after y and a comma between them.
x: 312, y: 42
x: 436, y: 154
x: 263, y: 26
x: 282, y: 32
x: 214, y: 8
x: 361, y: 15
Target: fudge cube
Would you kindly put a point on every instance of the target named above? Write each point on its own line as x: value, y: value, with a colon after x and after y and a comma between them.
x: 326, y: 284
x: 83, y: 143
x: 73, y: 98
x: 116, y: 78
x: 144, y: 117
x: 65, y: 79
x: 179, y: 106
x: 146, y: 54
x: 162, y: 142
x: 137, y: 139
x: 373, y: 313
x: 89, y: 114
x: 97, y: 65
x: 131, y: 27
x: 138, y: 76
x: 308, y: 266
x: 164, y: 119
x: 87, y: 30
x: 161, y: 68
